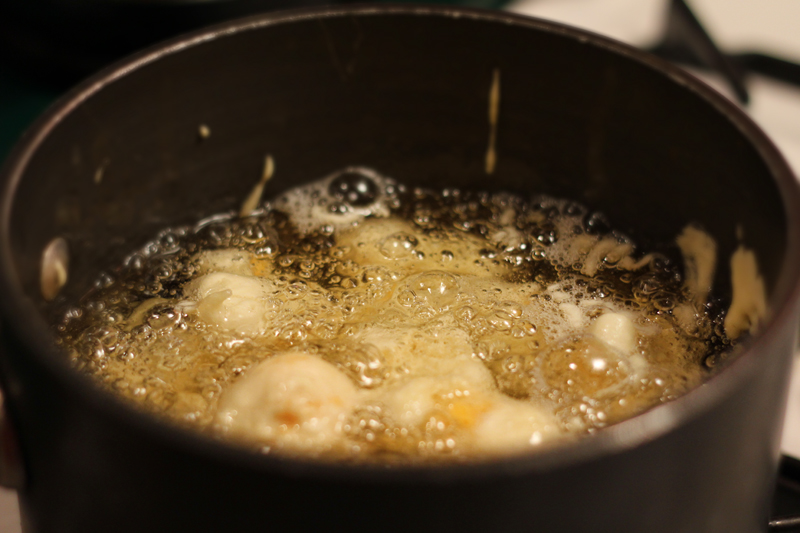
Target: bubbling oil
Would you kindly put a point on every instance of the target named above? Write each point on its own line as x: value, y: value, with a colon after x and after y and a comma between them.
x: 356, y: 318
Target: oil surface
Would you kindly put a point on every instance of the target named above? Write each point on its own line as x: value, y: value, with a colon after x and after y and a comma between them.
x: 358, y: 319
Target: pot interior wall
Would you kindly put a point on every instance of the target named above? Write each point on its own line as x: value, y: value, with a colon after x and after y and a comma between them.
x: 408, y: 96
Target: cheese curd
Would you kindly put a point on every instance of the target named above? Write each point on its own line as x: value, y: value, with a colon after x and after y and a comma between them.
x: 232, y: 302
x: 293, y: 400
x: 403, y: 246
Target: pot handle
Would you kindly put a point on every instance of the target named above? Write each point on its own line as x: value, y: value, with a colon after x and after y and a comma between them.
x: 53, y: 276
x: 785, y: 523
x: 11, y: 469
x: 788, y: 488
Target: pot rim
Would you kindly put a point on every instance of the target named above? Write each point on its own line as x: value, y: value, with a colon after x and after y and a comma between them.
x: 34, y: 334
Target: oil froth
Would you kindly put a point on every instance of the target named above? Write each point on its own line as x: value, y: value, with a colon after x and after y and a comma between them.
x: 357, y: 318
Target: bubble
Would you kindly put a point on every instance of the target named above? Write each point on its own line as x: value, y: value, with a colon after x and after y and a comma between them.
x: 354, y: 188
x: 406, y: 298
x: 398, y: 246
x: 597, y: 224
x: 512, y: 309
x: 376, y: 275
x: 500, y: 321
x: 422, y: 218
x: 296, y: 289
x: 365, y: 365
x: 435, y: 288
x: 285, y: 261
x: 514, y: 374
x: 104, y: 280
x: 584, y: 368
x: 163, y: 318
x: 338, y: 208
x: 465, y: 314
x: 547, y: 234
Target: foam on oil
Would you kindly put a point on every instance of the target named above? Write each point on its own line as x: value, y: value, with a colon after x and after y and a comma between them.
x: 356, y: 318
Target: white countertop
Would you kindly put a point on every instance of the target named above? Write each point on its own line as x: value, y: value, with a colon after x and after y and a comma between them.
x: 735, y: 25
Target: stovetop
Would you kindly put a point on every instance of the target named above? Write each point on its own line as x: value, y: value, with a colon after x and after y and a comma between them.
x: 735, y: 25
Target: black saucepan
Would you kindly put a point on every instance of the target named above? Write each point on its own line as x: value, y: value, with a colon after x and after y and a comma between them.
x: 403, y: 90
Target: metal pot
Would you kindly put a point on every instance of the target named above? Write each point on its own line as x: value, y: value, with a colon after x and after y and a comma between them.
x: 403, y: 90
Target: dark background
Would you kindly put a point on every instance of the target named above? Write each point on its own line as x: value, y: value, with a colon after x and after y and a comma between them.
x: 48, y: 46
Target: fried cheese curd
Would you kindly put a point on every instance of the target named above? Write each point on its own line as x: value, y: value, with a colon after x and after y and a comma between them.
x: 358, y: 319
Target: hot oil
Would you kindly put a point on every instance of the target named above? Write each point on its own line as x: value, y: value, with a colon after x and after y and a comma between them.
x: 477, y: 303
